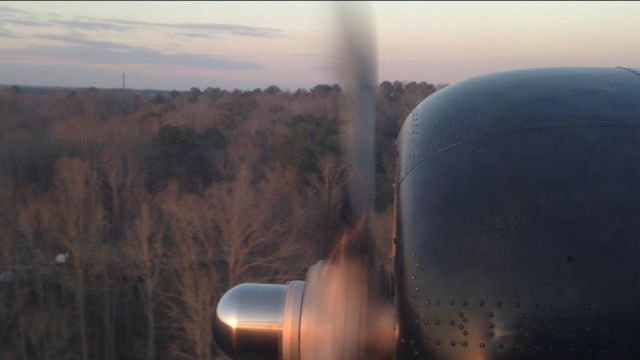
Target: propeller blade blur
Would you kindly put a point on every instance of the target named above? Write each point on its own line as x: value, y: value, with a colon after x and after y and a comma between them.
x: 345, y: 315
x: 358, y: 73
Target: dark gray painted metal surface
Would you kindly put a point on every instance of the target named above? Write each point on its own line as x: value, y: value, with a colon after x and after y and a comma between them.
x: 519, y: 218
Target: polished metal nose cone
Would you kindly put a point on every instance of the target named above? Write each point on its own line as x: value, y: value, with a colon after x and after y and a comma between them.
x: 251, y: 319
x: 336, y: 314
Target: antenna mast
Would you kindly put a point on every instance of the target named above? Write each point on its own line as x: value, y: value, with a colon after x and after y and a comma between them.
x: 123, y: 83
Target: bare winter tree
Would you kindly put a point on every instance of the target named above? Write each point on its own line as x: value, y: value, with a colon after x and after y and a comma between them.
x: 191, y: 268
x: 13, y: 257
x: 122, y: 176
x: 79, y: 226
x: 145, y: 250
x: 329, y: 186
x: 383, y: 236
x: 257, y: 228
x: 259, y: 225
x: 7, y: 238
x: 44, y: 320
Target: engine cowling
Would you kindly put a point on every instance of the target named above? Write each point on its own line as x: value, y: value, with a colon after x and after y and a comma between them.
x: 519, y: 218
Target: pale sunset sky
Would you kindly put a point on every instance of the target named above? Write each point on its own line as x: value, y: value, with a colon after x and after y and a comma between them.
x: 246, y: 45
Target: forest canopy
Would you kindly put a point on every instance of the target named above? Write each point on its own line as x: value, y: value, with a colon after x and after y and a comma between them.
x: 126, y: 214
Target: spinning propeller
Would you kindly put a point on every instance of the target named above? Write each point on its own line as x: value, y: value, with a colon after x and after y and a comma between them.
x: 340, y: 312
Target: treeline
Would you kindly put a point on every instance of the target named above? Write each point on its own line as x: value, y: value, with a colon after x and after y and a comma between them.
x: 124, y: 217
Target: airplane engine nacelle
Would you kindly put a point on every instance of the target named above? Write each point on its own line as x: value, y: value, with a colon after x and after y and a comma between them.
x: 519, y: 218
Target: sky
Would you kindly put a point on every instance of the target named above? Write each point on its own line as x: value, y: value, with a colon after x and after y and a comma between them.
x: 246, y: 45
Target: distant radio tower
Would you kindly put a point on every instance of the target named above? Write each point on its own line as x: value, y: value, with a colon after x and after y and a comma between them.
x: 123, y: 83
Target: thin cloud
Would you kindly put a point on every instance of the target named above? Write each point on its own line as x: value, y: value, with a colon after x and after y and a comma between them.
x: 22, y: 22
x: 211, y: 28
x: 85, y: 42
x: 7, y: 34
x: 10, y: 16
x: 85, y: 51
x: 231, y: 29
x: 4, y: 9
x: 25, y: 18
x: 91, y: 25
x: 194, y: 35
